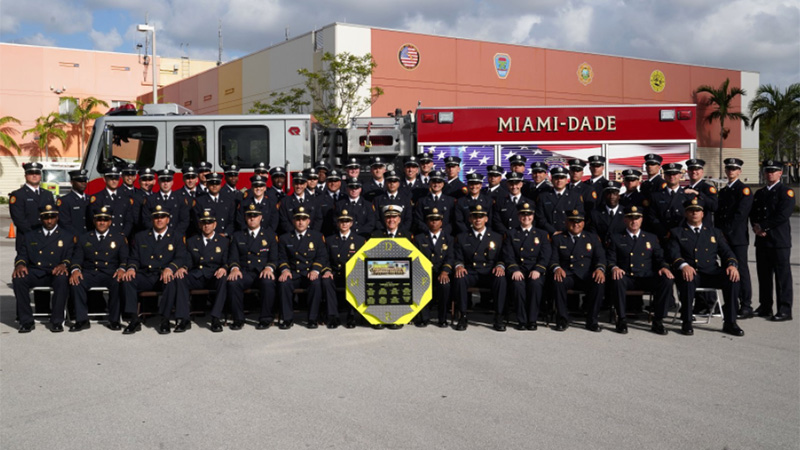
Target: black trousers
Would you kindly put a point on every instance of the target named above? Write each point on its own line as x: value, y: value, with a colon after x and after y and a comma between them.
x: 174, y: 294
x: 286, y: 294
x: 460, y: 285
x: 594, y: 297
x: 80, y: 294
x: 774, y: 262
x: 527, y: 295
x: 39, y: 278
x: 660, y: 286
x: 266, y: 295
x: 686, y: 291
x: 745, y: 285
x: 220, y: 285
x: 332, y: 297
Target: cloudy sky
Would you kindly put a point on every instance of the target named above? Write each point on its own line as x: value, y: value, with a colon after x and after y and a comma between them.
x: 753, y: 35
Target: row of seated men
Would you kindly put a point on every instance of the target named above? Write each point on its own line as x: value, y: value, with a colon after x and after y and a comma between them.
x: 524, y: 257
x: 501, y: 200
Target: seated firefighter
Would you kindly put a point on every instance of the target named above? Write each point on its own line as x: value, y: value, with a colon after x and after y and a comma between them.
x: 636, y: 262
x: 208, y: 259
x: 157, y: 262
x: 341, y: 247
x: 99, y: 260
x: 478, y: 263
x: 43, y: 256
x: 693, y: 248
x: 439, y: 249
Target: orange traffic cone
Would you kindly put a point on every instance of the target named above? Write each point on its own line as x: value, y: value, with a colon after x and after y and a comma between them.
x: 12, y: 233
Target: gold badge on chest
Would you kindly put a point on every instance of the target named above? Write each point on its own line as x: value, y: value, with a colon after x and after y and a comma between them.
x: 218, y: 250
x: 536, y: 240
x: 311, y: 246
x: 170, y: 247
x: 264, y: 242
x: 113, y: 244
x: 647, y: 244
x: 60, y: 243
x: 588, y: 247
x: 713, y: 240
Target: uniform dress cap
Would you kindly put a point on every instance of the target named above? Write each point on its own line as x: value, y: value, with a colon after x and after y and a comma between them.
x: 391, y: 210
x: 474, y: 177
x: 147, y: 173
x: 353, y: 163
x: 694, y: 203
x: 631, y: 173
x: 344, y: 215
x: 437, y: 175
x: 411, y: 161
x: 48, y: 210
x: 377, y: 162
x: 452, y: 161
x: 208, y: 216
x: 300, y: 213
x: 597, y: 160
x: 203, y: 167
x: 575, y: 216
x: 252, y: 210
x: 613, y: 186
x: 233, y: 169
x: 425, y: 157
x: 353, y: 182
x: 104, y: 211
x: 526, y: 208
x: 771, y: 164
x: 558, y: 171
x: 112, y: 172
x: 539, y: 166
x: 695, y: 163
x: 494, y: 170
x: 672, y: 168
x: 652, y: 158
x: 513, y: 177
x: 576, y: 164
x: 434, y: 214
x: 391, y: 175
x: 130, y: 169
x: 734, y: 163
x: 258, y: 180
x: 79, y: 175
x: 213, y: 178
x: 334, y: 175
x: 517, y: 159
x: 477, y: 210
x: 633, y: 211
x: 277, y: 172
x: 32, y: 167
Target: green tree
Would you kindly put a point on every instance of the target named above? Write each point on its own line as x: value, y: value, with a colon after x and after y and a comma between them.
x: 721, y: 98
x: 83, y: 113
x: 7, y: 141
x: 778, y: 112
x: 289, y: 102
x: 334, y: 91
x: 46, y: 129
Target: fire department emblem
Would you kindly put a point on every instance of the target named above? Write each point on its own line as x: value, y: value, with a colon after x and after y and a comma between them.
x: 585, y: 74
x: 408, y: 56
x: 502, y: 65
x: 658, y: 81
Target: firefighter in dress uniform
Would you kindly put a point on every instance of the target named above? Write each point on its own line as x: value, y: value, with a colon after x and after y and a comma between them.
x: 496, y: 187
x: 208, y: 267
x: 478, y: 262
x: 553, y: 207
x: 473, y: 197
x: 636, y: 261
x: 772, y: 209
x: 526, y: 252
x: 219, y: 201
x: 395, y: 196
x: 253, y: 262
x: 435, y: 198
x: 654, y: 181
x: 158, y: 261
x: 72, y: 206
x: 693, y: 249
x: 438, y: 248
x: 607, y: 219
x: 362, y: 211
x: 735, y: 204
x: 100, y: 258
x: 303, y: 256
x: 578, y: 261
x: 376, y: 185
x: 453, y: 186
x: 540, y: 183
x: 504, y: 211
x: 42, y: 259
x: 257, y: 195
x: 120, y: 203
x: 342, y: 245
x: 300, y: 197
x: 631, y: 179
x: 177, y: 206
x: 664, y: 208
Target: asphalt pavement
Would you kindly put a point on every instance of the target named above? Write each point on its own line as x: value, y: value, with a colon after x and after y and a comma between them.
x: 409, y: 388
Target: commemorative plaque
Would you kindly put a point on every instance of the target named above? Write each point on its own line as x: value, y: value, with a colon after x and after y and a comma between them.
x: 388, y: 281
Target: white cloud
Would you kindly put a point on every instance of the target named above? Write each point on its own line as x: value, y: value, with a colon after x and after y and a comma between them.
x: 106, y: 41
x: 38, y: 39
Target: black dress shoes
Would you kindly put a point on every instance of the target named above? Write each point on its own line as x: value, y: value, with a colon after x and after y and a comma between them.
x: 378, y: 326
x: 351, y: 323
x: 312, y: 325
x: 462, y: 324
x: 732, y: 329
x: 263, y: 324
x: 394, y: 326
x: 622, y: 326
x: 114, y: 326
x: 165, y: 327
x: 596, y: 328
x: 27, y: 327
x: 745, y: 313
x: 183, y: 325
x: 56, y: 328
x: 658, y: 328
x: 421, y: 323
x: 780, y: 317
x: 763, y: 312
x: 236, y: 325
x: 499, y: 326
x: 521, y: 327
x: 79, y: 325
x: 216, y: 325
x: 132, y: 327
x: 561, y: 326
x: 442, y: 324
x: 333, y: 323
x: 531, y: 326
x: 687, y: 329
x: 285, y: 325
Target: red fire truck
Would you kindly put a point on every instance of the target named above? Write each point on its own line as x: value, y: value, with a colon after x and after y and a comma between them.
x: 170, y: 135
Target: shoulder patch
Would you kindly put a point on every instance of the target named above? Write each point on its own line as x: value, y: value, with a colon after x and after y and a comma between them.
x: 663, y: 185
x: 74, y: 239
x: 464, y: 189
x: 93, y: 199
x: 58, y: 202
x: 245, y: 194
x: 746, y: 191
x: 712, y: 189
x: 184, y: 240
x: 194, y: 203
x: 131, y: 199
x: 12, y: 199
x: 594, y: 195
x: 790, y: 193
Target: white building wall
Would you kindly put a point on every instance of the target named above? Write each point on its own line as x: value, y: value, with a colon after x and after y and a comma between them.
x: 356, y: 40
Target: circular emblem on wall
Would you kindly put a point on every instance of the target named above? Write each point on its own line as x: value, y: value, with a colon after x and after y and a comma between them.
x: 502, y: 64
x: 585, y: 74
x: 408, y: 56
x: 658, y: 81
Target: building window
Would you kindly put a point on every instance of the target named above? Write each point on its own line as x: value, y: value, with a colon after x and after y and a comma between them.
x: 319, y: 44
x: 66, y: 106
x: 243, y: 145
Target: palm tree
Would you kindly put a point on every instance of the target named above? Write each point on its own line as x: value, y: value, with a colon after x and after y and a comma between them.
x: 722, y: 98
x: 7, y: 141
x: 779, y: 114
x: 81, y: 115
x: 46, y: 129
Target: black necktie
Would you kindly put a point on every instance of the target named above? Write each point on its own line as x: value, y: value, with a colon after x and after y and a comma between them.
x: 635, y: 237
x: 435, y: 198
x: 100, y: 237
x: 480, y: 236
x: 253, y: 234
x: 158, y: 238
x: 112, y: 197
x: 697, y: 230
x: 525, y: 233
x: 433, y: 238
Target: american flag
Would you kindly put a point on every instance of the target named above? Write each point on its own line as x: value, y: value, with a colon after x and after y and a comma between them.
x: 409, y: 56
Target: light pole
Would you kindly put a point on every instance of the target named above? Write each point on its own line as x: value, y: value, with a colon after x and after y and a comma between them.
x: 145, y: 28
